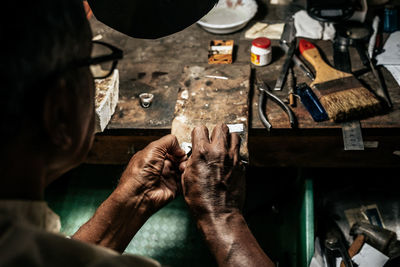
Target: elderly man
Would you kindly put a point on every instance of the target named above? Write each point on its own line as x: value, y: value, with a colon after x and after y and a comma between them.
x: 47, y: 129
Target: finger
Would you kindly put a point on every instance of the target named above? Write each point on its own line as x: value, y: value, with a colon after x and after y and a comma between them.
x: 182, y: 166
x: 169, y: 144
x: 200, y: 137
x: 184, y: 158
x: 220, y: 136
x: 168, y: 169
x: 176, y: 160
x: 171, y: 176
x: 235, y: 147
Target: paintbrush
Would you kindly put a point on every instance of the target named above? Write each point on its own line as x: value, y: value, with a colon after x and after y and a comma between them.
x: 342, y: 95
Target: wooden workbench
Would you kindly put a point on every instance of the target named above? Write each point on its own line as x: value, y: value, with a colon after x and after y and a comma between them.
x: 157, y: 66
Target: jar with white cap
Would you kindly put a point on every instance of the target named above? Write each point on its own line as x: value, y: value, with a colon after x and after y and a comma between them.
x: 261, y: 53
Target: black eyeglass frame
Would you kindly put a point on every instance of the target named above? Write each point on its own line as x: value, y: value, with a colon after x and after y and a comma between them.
x: 116, y: 55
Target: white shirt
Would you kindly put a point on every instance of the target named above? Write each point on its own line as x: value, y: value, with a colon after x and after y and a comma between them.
x: 29, y: 236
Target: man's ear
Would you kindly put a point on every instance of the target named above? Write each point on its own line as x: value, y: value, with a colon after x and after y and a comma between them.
x: 58, y: 116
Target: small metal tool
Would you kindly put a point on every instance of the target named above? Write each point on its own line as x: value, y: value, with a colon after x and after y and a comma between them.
x: 333, y: 244
x: 282, y: 76
x: 291, y: 86
x: 289, y: 39
x: 265, y: 91
x: 297, y: 61
x: 382, y: 89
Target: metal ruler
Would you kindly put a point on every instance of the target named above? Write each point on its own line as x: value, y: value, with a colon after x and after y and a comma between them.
x: 352, y: 137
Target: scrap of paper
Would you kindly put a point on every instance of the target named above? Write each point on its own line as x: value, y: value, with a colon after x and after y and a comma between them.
x: 259, y: 29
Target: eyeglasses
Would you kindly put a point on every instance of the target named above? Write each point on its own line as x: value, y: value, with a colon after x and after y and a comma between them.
x: 103, y: 60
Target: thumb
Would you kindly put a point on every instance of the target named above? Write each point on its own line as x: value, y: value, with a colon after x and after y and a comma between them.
x: 182, y: 166
x: 171, y: 145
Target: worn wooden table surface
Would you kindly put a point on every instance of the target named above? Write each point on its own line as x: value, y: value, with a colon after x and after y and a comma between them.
x: 157, y: 66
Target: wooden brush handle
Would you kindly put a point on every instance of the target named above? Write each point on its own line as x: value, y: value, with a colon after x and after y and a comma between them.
x: 323, y: 72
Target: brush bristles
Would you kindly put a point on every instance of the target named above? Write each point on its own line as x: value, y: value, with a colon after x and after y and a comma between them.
x: 350, y: 104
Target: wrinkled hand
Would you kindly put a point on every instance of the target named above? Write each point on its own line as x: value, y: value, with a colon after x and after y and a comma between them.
x: 212, y: 181
x: 153, y: 172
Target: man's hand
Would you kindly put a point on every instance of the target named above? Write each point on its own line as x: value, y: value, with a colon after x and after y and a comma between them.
x: 150, y: 181
x: 154, y: 172
x: 214, y: 187
x: 213, y: 181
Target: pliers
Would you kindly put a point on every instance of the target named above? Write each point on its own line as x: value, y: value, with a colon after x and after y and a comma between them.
x: 265, y: 91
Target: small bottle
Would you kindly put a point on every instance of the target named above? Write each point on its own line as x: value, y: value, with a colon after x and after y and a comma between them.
x: 261, y: 51
x: 390, y: 21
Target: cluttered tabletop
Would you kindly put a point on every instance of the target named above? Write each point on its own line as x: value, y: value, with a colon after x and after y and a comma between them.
x: 300, y: 91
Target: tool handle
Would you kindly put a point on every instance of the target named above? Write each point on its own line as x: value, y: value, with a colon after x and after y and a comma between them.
x: 286, y: 108
x: 263, y: 119
x: 355, y: 247
x: 292, y: 100
x: 311, y: 103
x: 297, y: 61
x: 324, y: 72
x: 291, y: 85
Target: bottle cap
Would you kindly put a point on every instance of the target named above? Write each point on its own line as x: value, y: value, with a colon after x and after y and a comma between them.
x: 261, y: 42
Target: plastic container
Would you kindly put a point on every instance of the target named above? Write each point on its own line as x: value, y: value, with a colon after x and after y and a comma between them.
x: 261, y: 53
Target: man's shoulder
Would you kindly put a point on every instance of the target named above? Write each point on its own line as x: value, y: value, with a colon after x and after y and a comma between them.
x: 24, y: 245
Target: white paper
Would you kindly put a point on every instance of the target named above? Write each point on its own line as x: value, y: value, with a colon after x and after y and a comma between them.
x: 391, y: 54
x: 367, y: 257
x: 259, y: 29
x: 236, y: 128
x: 186, y: 146
x: 395, y: 71
x: 370, y: 257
